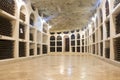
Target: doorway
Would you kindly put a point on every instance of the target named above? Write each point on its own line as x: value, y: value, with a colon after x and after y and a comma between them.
x: 67, y: 44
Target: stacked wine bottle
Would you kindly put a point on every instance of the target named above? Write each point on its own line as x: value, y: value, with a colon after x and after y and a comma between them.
x: 5, y: 27
x: 108, y: 28
x: 38, y: 50
x: 6, y: 49
x: 31, y: 52
x: 44, y: 49
x: 117, y: 22
x: 8, y: 6
x: 22, y: 49
x: 31, y: 36
x: 101, y: 29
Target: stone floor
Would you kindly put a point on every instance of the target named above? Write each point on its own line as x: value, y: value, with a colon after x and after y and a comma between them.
x: 82, y: 67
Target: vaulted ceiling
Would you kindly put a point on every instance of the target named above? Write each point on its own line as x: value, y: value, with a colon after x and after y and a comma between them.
x: 65, y: 15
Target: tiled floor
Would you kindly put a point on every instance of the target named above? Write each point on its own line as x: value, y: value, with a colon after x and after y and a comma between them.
x: 60, y: 68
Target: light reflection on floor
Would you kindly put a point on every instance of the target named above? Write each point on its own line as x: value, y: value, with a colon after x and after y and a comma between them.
x: 60, y: 68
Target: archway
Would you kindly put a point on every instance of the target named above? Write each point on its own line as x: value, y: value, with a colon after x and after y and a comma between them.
x: 32, y: 19
x: 22, y: 13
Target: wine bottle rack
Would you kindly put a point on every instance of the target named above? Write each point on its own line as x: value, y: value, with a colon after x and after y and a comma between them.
x: 73, y: 49
x: 97, y: 52
x: 116, y: 2
x: 8, y: 6
x: 22, y: 49
x: 78, y: 42
x: 83, y: 49
x: 52, y: 43
x: 52, y: 49
x: 101, y: 30
x: 67, y: 44
x: 5, y: 27
x: 31, y: 52
x: 78, y: 36
x: 44, y: 49
x: 72, y: 43
x: 31, y: 21
x: 101, y: 16
x: 59, y: 49
x: 117, y: 21
x: 22, y: 16
x: 21, y: 31
x: 107, y: 52
x: 86, y: 49
x: 101, y: 49
x: 31, y: 37
x: 83, y: 42
x: 38, y: 50
x: 108, y: 28
x: 78, y: 49
x: 117, y: 49
x: 72, y: 36
x: 32, y: 49
x: 59, y: 43
x: 6, y: 49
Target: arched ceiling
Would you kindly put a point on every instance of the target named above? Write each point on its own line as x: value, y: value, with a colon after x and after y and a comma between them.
x: 66, y: 14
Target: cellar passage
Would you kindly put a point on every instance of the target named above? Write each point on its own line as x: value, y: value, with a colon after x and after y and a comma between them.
x: 81, y: 67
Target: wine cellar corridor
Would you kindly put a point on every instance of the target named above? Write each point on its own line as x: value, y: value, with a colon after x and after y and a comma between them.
x: 60, y: 40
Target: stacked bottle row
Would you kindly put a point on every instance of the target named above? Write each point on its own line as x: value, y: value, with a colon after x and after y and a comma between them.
x: 44, y: 49
x: 5, y: 27
x: 8, y: 6
x: 117, y: 20
x: 22, y: 49
x: 6, y: 49
x: 21, y: 35
x: 108, y: 29
x: 104, y: 30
